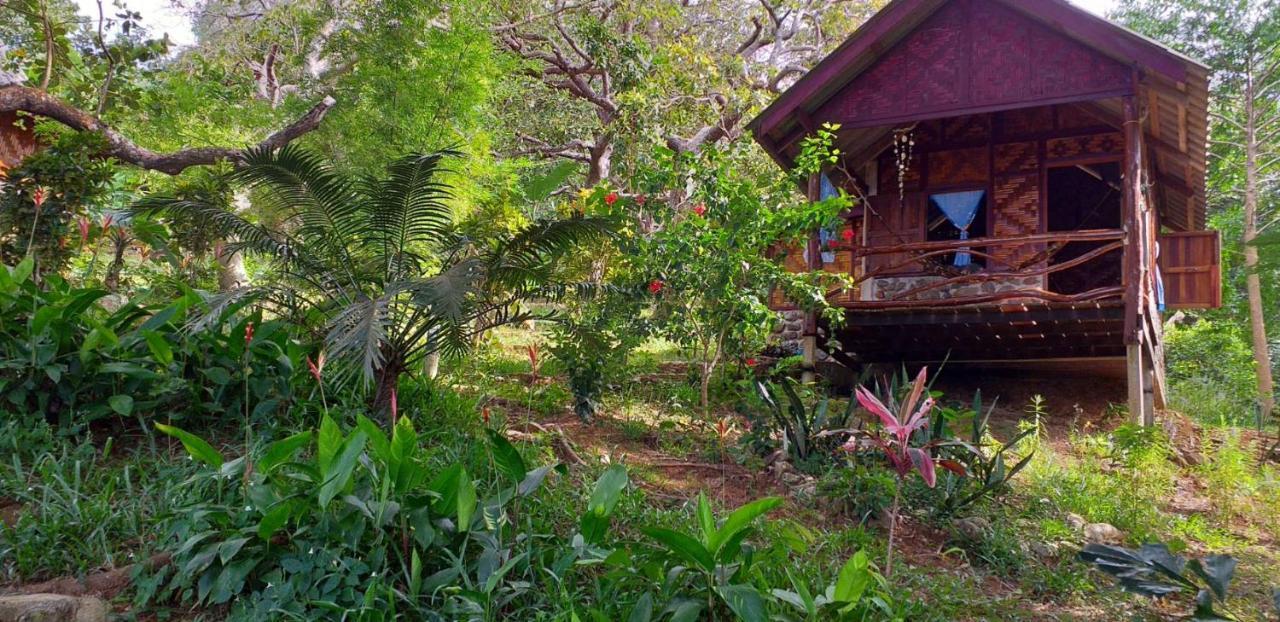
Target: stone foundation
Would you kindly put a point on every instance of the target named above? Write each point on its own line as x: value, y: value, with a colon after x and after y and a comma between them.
x: 887, y: 288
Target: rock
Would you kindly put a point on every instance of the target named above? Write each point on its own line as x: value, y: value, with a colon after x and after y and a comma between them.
x: 1102, y: 533
x: 1075, y: 522
x: 1044, y: 550
x: 51, y: 608
x: 974, y: 528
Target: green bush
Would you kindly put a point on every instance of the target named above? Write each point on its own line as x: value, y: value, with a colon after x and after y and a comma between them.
x: 861, y: 491
x: 66, y: 358
x: 1211, y: 372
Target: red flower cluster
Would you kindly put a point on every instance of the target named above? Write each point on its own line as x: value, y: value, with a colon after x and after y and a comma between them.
x: 611, y: 198
x: 751, y: 362
x: 248, y: 333
x: 847, y: 234
x: 316, y: 367
x: 700, y: 209
x: 655, y: 286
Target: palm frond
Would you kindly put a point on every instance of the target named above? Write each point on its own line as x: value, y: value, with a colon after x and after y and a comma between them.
x: 303, y: 186
x: 218, y: 306
x: 447, y: 295
x: 409, y: 206
x: 524, y: 259
x: 228, y: 225
x: 359, y: 330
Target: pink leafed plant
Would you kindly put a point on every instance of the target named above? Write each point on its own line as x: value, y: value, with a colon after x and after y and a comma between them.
x: 895, y: 442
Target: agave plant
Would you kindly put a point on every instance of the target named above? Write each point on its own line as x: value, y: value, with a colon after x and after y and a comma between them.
x: 381, y: 260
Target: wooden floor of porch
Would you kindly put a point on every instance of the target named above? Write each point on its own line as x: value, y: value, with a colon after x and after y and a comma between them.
x: 1024, y: 331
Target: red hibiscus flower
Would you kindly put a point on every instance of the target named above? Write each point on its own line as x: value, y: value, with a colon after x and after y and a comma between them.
x: 655, y: 286
x: 847, y: 234
x: 700, y: 209
x: 611, y: 198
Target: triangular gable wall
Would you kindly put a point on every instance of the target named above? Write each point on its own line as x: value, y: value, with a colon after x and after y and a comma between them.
x: 974, y: 56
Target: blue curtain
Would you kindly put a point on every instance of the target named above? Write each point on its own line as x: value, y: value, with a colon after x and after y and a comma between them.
x: 826, y: 190
x: 960, y: 208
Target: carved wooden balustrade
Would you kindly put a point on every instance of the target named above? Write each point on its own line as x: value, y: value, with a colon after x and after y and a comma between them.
x: 923, y: 277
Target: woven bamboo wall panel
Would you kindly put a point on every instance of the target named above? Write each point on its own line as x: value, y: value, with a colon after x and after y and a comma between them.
x: 1073, y: 117
x: 16, y: 142
x: 1085, y: 146
x: 960, y: 166
x: 1017, y: 212
x: 966, y: 129
x: 843, y: 265
x: 1017, y: 158
x: 1026, y: 121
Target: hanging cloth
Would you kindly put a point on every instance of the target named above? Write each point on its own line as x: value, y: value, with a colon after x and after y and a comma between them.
x: 826, y: 237
x: 960, y: 208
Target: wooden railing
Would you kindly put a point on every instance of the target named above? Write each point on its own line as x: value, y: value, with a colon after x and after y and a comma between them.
x: 1034, y: 253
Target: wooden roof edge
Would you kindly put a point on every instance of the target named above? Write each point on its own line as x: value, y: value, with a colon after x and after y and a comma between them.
x: 899, y: 16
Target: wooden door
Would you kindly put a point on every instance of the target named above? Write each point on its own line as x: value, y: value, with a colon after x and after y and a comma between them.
x: 891, y: 222
x: 1191, y: 268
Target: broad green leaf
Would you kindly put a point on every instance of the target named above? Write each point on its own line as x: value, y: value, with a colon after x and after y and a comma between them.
x: 21, y: 272
x: 378, y: 442
x: 683, y: 546
x: 159, y: 347
x: 327, y: 442
x: 281, y: 451
x: 445, y: 486
x: 745, y: 601
x: 643, y: 610
x: 686, y: 611
x: 196, y: 446
x: 340, y: 470
x: 466, y: 501
x: 608, y: 490
x: 218, y: 375
x: 402, y: 465
x: 707, y: 522
x: 853, y: 579
x: 506, y: 457
x: 740, y: 519
x: 533, y: 480
x: 122, y: 404
x: 540, y: 188
x: 273, y: 520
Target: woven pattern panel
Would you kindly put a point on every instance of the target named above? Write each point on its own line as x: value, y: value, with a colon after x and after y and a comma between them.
x: 16, y: 142
x: 1017, y: 212
x: 1111, y: 143
x: 958, y: 167
x: 1026, y: 121
x: 889, y: 173
x: 1017, y: 158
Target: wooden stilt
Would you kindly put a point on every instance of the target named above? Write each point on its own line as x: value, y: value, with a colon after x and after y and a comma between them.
x: 1141, y: 393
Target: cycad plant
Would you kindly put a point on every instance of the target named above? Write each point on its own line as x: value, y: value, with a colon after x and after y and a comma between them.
x: 380, y: 260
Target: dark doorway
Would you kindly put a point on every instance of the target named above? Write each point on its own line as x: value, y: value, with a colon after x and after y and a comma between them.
x: 1084, y: 197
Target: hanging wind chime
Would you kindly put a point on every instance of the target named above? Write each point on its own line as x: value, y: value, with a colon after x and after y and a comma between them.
x: 903, y: 144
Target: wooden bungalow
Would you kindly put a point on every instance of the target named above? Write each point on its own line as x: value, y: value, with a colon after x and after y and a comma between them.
x: 1031, y: 185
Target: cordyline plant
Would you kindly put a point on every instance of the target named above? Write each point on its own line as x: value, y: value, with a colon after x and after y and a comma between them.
x: 895, y: 442
x: 380, y: 259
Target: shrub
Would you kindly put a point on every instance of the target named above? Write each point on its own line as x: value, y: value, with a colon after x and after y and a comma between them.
x: 1211, y: 372
x: 64, y: 357
x: 860, y: 491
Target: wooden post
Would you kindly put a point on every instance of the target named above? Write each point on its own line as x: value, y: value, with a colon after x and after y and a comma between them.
x: 1138, y: 363
x: 809, y: 342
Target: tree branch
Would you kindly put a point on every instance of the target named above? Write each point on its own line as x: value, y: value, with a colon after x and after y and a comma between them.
x: 37, y: 102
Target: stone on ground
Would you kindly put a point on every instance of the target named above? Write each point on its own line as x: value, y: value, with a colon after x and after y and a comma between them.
x: 51, y: 608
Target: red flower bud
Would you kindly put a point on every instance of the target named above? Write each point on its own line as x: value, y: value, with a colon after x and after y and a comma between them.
x: 655, y: 286
x: 611, y: 198
x: 248, y: 333
x: 484, y: 415
x: 751, y: 362
x: 317, y: 367
x: 38, y: 196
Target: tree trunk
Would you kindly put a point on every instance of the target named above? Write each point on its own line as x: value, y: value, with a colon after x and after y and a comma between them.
x: 231, y: 272
x: 601, y: 159
x: 1257, y: 319
x: 388, y: 380
x: 431, y: 365
x: 112, y: 280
